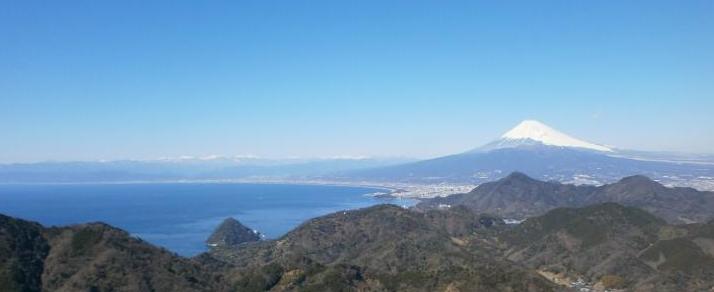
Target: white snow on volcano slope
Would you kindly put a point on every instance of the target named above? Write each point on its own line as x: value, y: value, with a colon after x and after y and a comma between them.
x: 537, y: 131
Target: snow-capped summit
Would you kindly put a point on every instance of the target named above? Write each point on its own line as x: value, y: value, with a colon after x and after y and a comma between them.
x: 531, y: 131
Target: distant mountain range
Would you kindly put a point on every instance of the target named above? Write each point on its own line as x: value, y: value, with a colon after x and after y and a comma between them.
x: 545, y: 153
x: 380, y: 248
x: 531, y: 147
x: 185, y: 168
x: 519, y: 196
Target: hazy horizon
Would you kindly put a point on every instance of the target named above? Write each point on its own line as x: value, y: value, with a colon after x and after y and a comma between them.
x: 88, y: 81
x: 247, y: 157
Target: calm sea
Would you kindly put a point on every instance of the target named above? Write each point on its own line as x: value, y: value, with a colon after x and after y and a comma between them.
x: 181, y: 216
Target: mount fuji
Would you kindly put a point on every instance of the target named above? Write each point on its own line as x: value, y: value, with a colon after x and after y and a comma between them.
x: 531, y: 132
x: 541, y: 152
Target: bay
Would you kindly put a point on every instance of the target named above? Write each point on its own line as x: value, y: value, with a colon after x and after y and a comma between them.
x: 180, y: 216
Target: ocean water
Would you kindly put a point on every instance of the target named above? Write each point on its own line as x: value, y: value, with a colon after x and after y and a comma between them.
x: 180, y: 216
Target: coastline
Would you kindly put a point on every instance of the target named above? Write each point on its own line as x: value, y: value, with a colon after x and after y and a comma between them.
x: 393, y: 189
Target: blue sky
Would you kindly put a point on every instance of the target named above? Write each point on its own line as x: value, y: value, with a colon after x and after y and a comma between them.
x: 85, y: 80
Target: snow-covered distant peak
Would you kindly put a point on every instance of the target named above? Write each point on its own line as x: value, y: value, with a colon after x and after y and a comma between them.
x: 537, y: 131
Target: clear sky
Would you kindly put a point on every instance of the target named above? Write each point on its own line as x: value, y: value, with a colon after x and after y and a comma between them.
x: 85, y: 80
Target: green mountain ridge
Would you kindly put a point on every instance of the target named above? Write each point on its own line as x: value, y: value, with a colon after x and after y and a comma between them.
x: 91, y: 257
x: 379, y: 248
x: 611, y: 240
